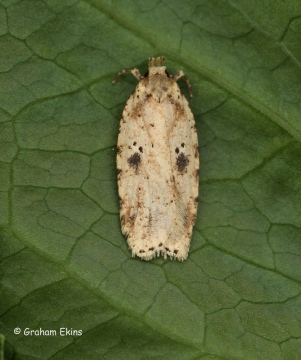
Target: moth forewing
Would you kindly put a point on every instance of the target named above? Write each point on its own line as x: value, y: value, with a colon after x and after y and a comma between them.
x: 157, y: 166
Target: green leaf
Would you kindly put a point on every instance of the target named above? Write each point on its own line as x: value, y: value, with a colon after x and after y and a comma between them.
x: 64, y: 263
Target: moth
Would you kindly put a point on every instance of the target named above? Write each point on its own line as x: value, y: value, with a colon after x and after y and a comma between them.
x: 157, y: 165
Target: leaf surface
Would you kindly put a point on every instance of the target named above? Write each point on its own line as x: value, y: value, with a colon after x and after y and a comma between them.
x: 64, y: 263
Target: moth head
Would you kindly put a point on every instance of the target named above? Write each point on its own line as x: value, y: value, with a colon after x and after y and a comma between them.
x: 156, y: 62
x: 156, y: 70
x: 155, y: 67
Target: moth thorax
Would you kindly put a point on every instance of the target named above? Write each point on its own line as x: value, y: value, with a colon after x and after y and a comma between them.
x: 154, y: 70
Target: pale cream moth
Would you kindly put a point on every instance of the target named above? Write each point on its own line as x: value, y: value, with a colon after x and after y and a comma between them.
x: 157, y: 166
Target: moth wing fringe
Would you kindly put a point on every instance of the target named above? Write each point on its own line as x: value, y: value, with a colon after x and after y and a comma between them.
x: 157, y: 253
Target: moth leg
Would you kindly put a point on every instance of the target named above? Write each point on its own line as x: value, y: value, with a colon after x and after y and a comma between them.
x: 179, y: 75
x: 135, y: 72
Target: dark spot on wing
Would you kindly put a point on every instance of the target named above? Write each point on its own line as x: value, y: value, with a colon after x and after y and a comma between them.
x: 182, y: 162
x: 134, y: 161
x: 132, y: 218
x: 150, y: 221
